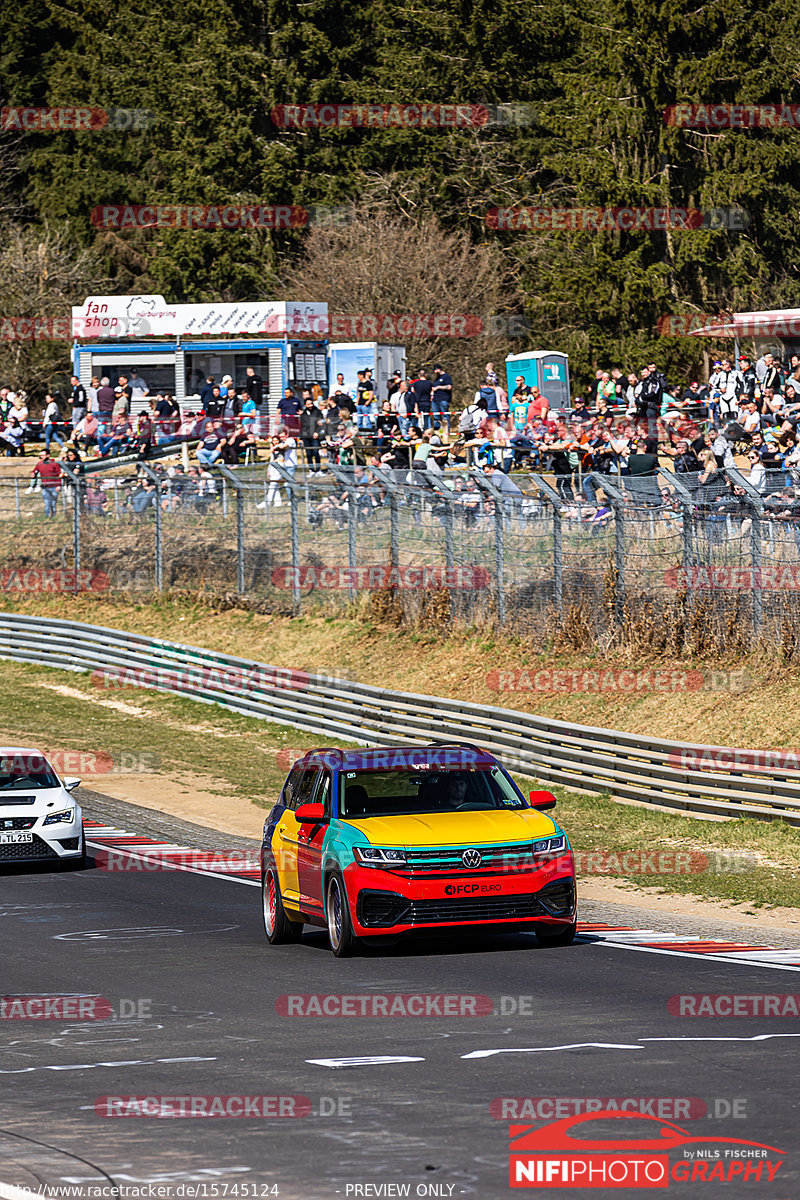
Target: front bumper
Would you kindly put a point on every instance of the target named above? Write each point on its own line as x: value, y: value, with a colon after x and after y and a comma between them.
x: 386, y: 902
x: 50, y: 843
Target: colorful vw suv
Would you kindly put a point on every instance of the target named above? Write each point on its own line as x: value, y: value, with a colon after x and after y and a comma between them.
x: 381, y: 842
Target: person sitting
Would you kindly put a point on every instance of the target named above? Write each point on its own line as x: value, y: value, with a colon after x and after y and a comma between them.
x: 95, y: 500
x: 237, y: 444
x: 121, y: 433
x: 13, y: 435
x: 144, y: 497
x: 86, y: 432
x: 212, y: 444
x: 335, y: 506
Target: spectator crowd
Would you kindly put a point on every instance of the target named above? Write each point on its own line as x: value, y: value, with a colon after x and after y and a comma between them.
x: 619, y: 428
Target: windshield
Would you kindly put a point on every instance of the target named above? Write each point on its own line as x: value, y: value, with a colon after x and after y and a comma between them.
x: 21, y: 772
x: 403, y: 793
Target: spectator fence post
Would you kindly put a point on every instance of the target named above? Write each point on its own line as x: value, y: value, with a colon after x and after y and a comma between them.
x: 487, y: 486
x: 755, y: 543
x: 437, y: 483
x: 618, y: 504
x: 346, y: 475
x: 552, y: 498
x: 16, y: 492
x: 228, y: 476
x: 294, y: 519
x: 159, y: 548
x: 387, y: 480
x: 76, y: 520
x: 687, y: 504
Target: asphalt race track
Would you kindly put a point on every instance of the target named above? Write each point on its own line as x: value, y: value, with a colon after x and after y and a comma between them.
x: 203, y: 1017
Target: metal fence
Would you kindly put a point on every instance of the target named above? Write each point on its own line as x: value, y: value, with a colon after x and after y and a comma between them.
x: 702, y: 780
x: 467, y: 546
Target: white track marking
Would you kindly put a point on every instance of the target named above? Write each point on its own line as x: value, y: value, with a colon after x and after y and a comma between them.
x: 144, y: 856
x: 757, y: 1037
x: 369, y: 1060
x: 732, y: 957
x: 542, y: 1049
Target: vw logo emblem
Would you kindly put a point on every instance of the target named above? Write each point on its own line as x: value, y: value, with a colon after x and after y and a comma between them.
x: 471, y: 858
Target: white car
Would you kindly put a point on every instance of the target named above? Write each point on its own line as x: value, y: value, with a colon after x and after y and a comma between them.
x: 39, y: 819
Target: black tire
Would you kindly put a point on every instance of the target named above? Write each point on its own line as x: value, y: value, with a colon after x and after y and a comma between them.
x: 564, y: 937
x: 337, y: 915
x: 279, y: 929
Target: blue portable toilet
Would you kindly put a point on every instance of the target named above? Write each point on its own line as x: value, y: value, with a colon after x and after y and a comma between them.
x: 546, y: 369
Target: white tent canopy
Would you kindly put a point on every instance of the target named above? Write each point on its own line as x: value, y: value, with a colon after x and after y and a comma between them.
x: 782, y: 323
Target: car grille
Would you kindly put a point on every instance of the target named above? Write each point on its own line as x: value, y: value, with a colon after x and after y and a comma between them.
x: 24, y: 850
x: 16, y: 822
x: 9, y: 801
x: 489, y: 908
x: 376, y: 909
x: 516, y: 855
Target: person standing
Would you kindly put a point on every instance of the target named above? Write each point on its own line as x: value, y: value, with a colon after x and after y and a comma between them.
x: 255, y: 386
x: 289, y: 409
x: 422, y: 388
x: 49, y: 473
x: 78, y: 400
x: 312, y: 430
x: 441, y: 395
x: 50, y: 418
x: 91, y: 394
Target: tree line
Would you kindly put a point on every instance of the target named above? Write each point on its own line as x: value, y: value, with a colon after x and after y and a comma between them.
x: 578, y: 89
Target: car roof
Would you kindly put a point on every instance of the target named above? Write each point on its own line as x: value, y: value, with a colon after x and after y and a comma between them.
x: 382, y: 758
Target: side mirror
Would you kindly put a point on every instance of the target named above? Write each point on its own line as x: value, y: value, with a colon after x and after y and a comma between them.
x: 310, y: 814
x: 543, y: 800
x: 71, y: 784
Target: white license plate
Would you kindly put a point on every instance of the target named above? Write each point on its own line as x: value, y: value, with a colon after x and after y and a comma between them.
x: 5, y: 838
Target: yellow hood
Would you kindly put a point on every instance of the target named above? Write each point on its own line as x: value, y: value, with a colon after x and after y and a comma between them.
x: 467, y: 828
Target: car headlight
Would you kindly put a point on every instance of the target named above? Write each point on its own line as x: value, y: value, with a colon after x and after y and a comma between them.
x: 55, y: 818
x: 547, y: 847
x: 375, y: 856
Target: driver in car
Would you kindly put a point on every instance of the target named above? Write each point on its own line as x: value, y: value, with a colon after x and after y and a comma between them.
x: 455, y: 791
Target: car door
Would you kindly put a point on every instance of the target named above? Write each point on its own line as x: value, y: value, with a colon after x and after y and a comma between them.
x: 298, y: 790
x: 310, y: 841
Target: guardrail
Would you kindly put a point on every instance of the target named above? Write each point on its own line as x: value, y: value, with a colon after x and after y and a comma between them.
x: 629, y: 767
